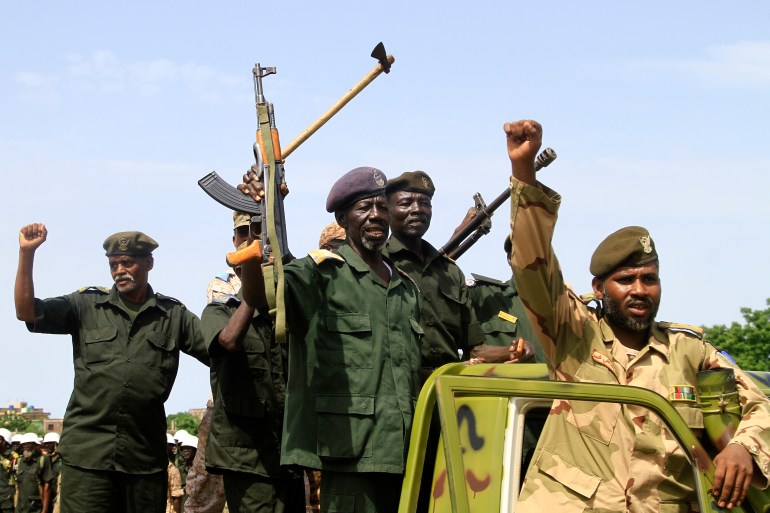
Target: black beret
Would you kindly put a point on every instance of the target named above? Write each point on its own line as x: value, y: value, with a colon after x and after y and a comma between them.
x: 412, y: 181
x: 507, y: 246
x: 360, y: 183
x: 631, y: 246
x: 129, y: 243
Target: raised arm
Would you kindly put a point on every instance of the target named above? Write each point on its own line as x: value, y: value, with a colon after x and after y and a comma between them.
x: 30, y: 238
x: 524, y: 139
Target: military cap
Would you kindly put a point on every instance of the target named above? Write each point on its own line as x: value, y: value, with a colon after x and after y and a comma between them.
x: 412, y: 181
x: 507, y: 246
x: 129, y: 243
x: 630, y: 246
x: 331, y: 231
x: 357, y: 184
x: 241, y: 219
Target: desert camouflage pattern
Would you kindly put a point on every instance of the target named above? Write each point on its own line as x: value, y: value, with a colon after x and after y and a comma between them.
x: 223, y: 287
x: 607, y: 456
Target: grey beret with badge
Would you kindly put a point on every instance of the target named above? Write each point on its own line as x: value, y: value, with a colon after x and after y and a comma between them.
x: 357, y: 184
x: 412, y: 181
x: 129, y: 243
x: 631, y: 246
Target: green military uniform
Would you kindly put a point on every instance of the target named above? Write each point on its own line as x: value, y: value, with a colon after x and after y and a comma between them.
x: 446, y: 315
x: 56, y: 467
x: 30, y: 476
x: 245, y: 435
x: 501, y: 314
x: 607, y: 456
x: 354, y: 358
x: 124, y: 371
x: 7, y: 481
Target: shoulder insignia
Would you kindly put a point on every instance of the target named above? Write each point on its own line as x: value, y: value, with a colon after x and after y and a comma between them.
x: 224, y: 276
x: 507, y: 317
x: 697, y: 331
x: 470, y: 283
x: 100, y: 290
x: 319, y: 255
x: 586, y: 299
x: 168, y: 298
x: 485, y: 279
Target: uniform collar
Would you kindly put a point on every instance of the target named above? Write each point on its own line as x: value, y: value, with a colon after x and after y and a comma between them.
x: 657, y: 340
x: 113, y: 299
x: 355, y: 261
x: 393, y: 246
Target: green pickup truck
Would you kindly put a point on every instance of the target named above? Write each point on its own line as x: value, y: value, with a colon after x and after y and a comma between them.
x: 490, y: 419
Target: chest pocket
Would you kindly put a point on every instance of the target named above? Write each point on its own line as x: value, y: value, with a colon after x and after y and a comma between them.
x: 456, y: 297
x: 498, y: 325
x: 161, y: 351
x: 99, y: 345
x: 350, y: 341
x: 594, y: 420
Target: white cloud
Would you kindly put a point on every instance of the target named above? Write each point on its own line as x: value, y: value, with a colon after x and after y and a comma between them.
x: 742, y: 64
x: 104, y: 73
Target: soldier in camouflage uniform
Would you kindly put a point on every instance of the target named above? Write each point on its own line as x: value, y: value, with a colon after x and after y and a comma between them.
x: 7, y: 482
x: 605, y: 456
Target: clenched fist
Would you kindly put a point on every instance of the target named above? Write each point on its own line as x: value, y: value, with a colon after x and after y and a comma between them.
x: 32, y: 236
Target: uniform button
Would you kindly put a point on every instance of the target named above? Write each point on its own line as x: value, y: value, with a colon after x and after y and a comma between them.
x: 248, y: 347
x: 426, y: 296
x: 430, y: 323
x: 125, y: 385
x: 434, y: 350
x: 129, y: 360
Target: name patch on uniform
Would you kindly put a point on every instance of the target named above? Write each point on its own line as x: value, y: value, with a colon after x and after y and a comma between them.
x: 683, y: 393
x: 507, y: 317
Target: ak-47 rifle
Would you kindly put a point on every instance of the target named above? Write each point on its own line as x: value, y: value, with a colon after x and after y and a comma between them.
x: 271, y: 245
x: 481, y: 222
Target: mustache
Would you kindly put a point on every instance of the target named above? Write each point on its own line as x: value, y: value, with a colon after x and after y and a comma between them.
x: 122, y: 276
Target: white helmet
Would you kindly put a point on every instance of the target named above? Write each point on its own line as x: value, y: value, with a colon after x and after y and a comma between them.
x: 17, y: 437
x: 190, y: 441
x: 180, y: 435
x: 29, y: 437
x: 6, y: 435
x: 170, y: 439
x: 51, y: 437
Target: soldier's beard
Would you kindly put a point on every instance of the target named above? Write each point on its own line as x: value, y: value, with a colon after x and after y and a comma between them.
x: 614, y: 314
x: 370, y: 244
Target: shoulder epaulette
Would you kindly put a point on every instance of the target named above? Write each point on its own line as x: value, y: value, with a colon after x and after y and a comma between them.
x: 486, y: 279
x: 94, y: 288
x: 586, y: 299
x: 319, y: 255
x: 168, y: 298
x: 673, y: 326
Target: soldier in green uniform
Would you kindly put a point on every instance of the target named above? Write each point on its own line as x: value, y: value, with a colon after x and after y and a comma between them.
x: 354, y: 354
x: 603, y: 456
x: 7, y: 482
x: 33, y: 477
x: 248, y: 382
x: 126, y: 343
x: 446, y: 317
x: 51, y: 447
x: 501, y: 314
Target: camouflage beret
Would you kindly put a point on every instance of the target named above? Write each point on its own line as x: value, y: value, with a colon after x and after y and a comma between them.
x: 241, y: 219
x: 129, y: 243
x: 631, y: 246
x: 331, y: 231
x: 412, y: 181
x: 357, y: 184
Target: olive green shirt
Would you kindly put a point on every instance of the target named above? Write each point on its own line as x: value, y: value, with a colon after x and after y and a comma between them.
x: 446, y: 314
x: 248, y: 388
x: 31, y: 475
x: 501, y: 313
x: 124, y: 372
x: 354, y: 360
x: 7, y: 489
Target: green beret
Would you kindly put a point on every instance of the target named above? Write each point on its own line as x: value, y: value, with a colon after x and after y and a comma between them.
x: 241, y: 219
x: 412, y: 181
x: 129, y: 243
x: 631, y: 246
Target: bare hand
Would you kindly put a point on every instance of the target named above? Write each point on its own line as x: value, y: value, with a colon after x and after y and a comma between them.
x: 32, y: 236
x: 732, y: 477
x: 523, y: 139
x: 485, y: 353
x: 253, y: 186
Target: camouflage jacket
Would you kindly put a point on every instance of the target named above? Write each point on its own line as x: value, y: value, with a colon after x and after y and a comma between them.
x: 223, y: 287
x: 608, y: 456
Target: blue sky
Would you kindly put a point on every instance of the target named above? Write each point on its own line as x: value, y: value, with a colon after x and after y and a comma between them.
x: 112, y: 112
